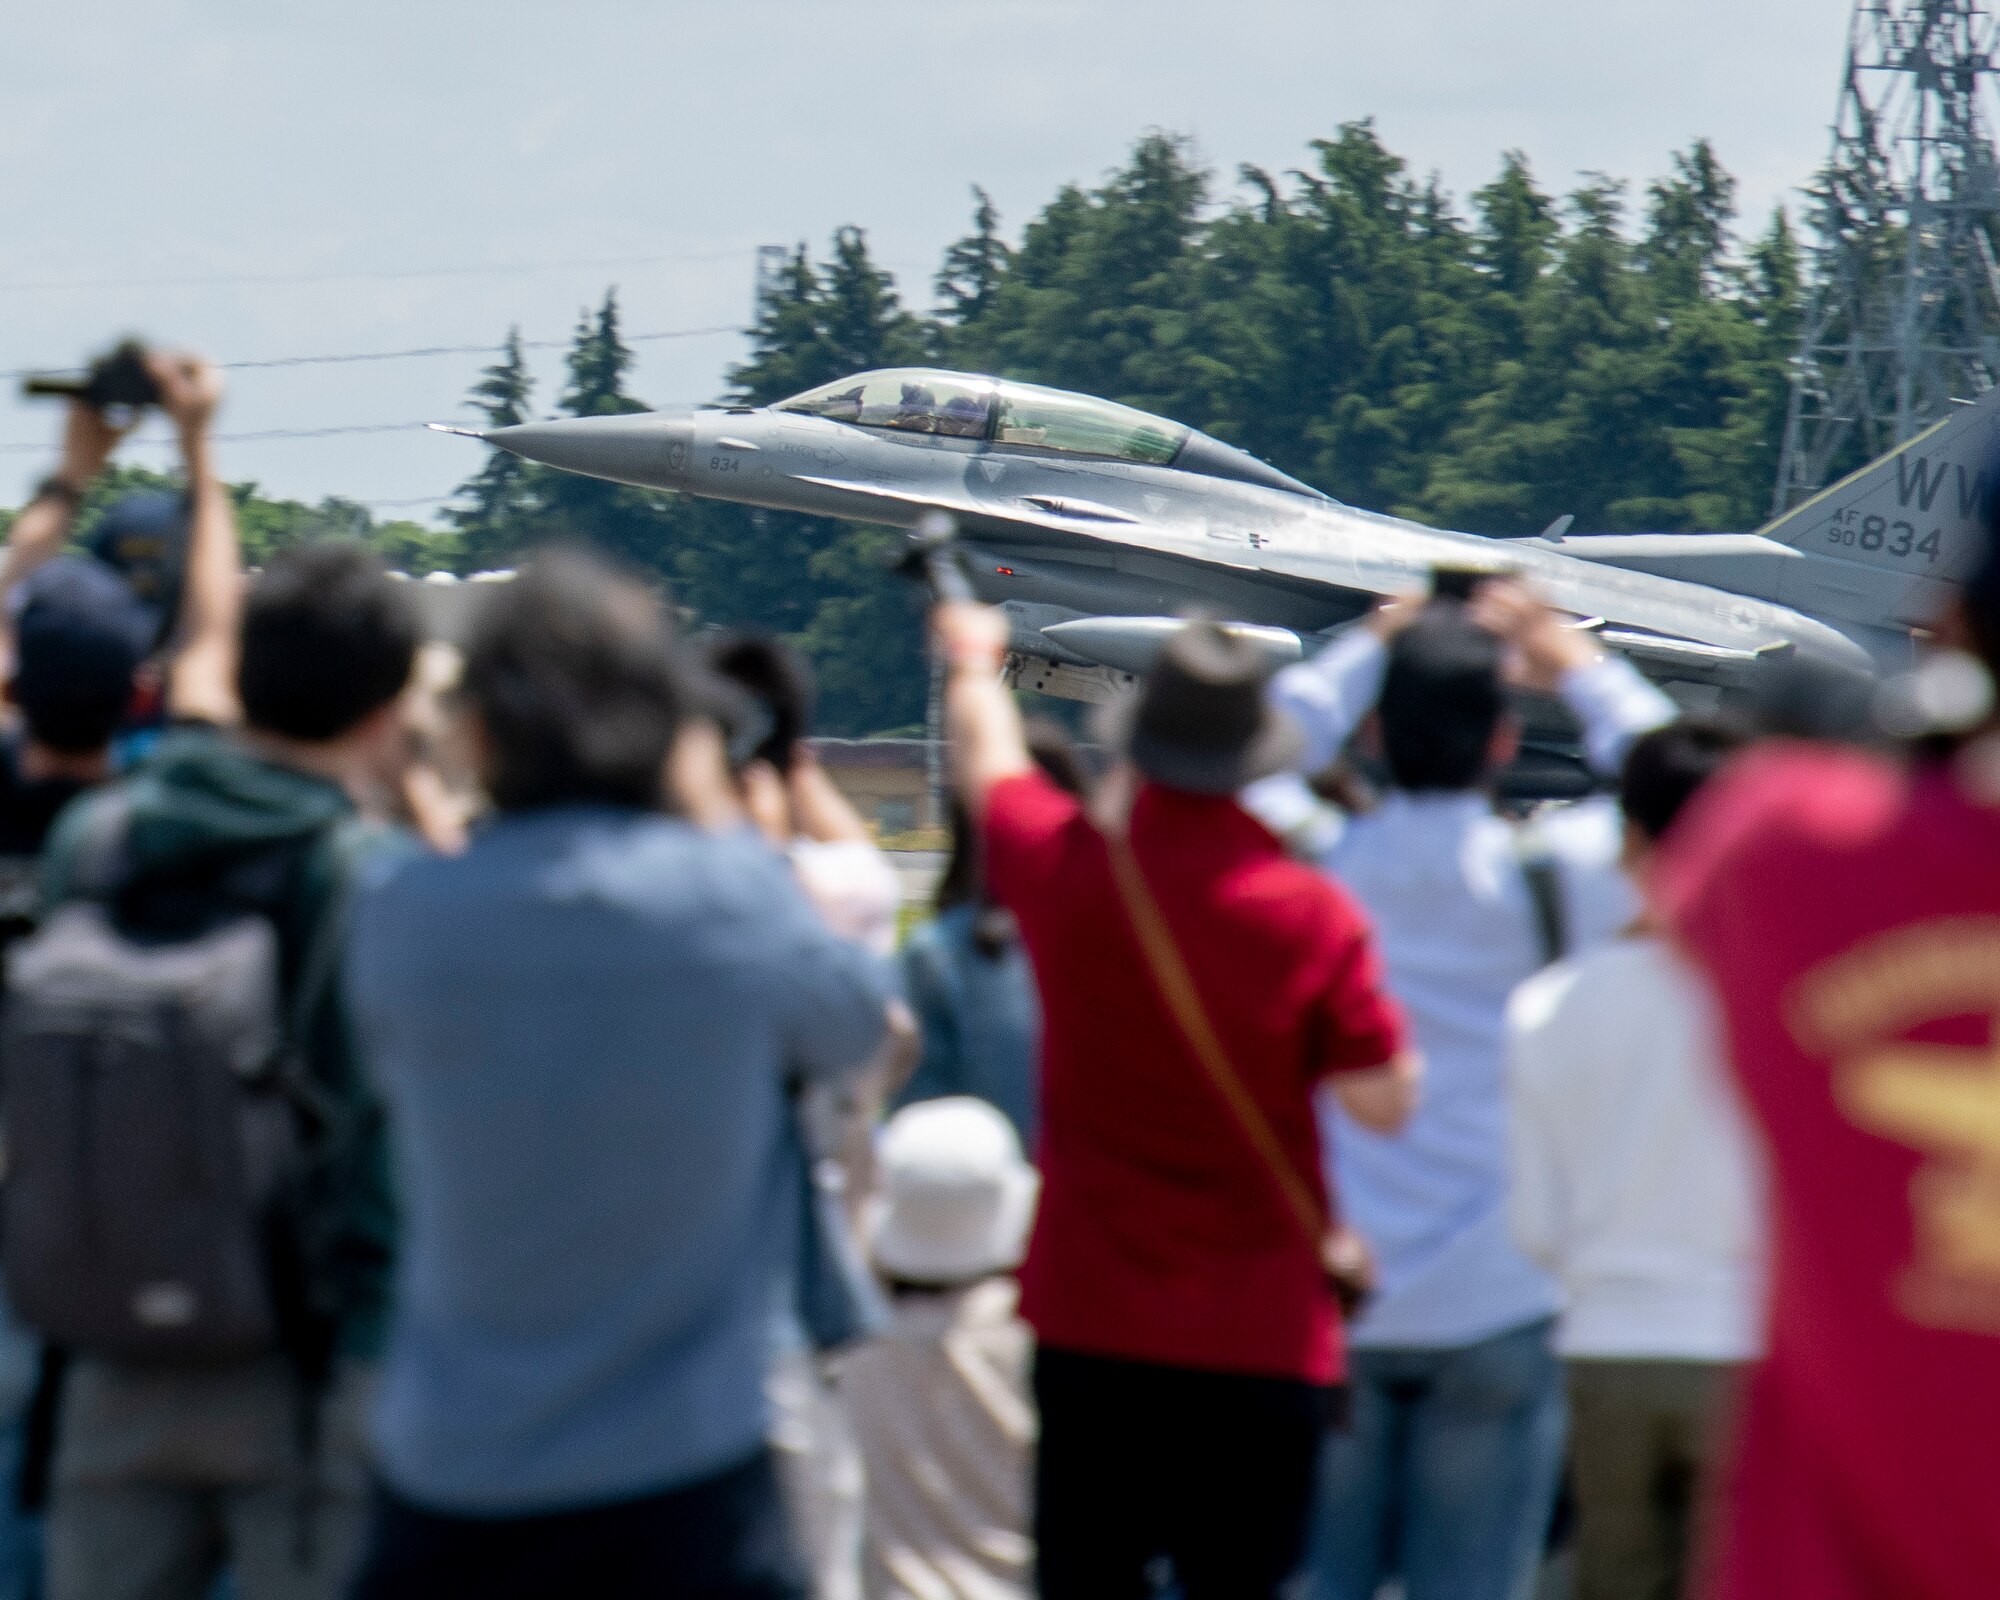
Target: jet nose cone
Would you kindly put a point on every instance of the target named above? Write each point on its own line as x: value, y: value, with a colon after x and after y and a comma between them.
x: 648, y: 448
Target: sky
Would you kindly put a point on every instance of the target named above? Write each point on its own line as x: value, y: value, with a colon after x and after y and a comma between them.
x: 264, y: 181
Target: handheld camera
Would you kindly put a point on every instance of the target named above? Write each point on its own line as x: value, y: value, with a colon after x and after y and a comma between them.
x: 119, y: 379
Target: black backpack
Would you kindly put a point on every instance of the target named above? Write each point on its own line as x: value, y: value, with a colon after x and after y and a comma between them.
x: 159, y: 1113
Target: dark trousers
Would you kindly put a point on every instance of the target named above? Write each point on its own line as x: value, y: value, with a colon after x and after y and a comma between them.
x: 724, y: 1538
x: 1644, y: 1437
x: 1141, y: 1467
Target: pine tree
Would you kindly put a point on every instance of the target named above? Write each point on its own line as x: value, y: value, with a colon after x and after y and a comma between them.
x: 819, y: 323
x: 505, y: 388
x: 862, y: 318
x: 1687, y: 226
x: 1517, y: 227
x: 1777, y: 285
x: 1406, y: 349
x: 598, y: 361
x: 637, y: 525
x: 1513, y: 245
x: 1100, y: 294
x: 501, y: 502
x: 974, y: 266
x: 788, y: 346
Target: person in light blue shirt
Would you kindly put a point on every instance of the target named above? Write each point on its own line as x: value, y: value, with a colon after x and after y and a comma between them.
x: 1447, y: 1475
x: 973, y: 995
x: 583, y: 1029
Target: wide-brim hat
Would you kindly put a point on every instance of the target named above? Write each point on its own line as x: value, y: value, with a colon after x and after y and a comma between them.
x: 1200, y: 719
x: 957, y: 1197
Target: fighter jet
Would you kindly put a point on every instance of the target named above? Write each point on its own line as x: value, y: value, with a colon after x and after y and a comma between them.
x: 1098, y: 527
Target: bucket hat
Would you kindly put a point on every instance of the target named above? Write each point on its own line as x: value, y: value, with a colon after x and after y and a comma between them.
x: 957, y: 1196
x: 1200, y: 720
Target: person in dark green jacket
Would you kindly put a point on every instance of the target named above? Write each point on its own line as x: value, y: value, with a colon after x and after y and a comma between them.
x: 164, y: 1477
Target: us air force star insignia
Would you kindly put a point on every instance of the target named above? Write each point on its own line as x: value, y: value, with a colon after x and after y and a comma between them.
x: 990, y: 469
x: 1155, y: 503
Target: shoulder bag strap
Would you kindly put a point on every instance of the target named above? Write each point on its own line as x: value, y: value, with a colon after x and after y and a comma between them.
x: 1177, y: 988
x: 100, y: 863
x: 325, y: 875
x: 1543, y: 876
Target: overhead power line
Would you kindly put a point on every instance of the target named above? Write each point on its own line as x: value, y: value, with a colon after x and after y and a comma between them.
x: 469, y: 349
x: 47, y: 446
x: 366, y: 355
x: 494, y: 269
x: 418, y: 350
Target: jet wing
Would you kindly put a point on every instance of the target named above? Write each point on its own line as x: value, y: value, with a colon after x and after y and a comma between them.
x: 1664, y: 655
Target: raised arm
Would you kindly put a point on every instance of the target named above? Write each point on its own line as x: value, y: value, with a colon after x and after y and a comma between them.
x: 1610, y: 698
x: 44, y: 524
x: 819, y: 810
x: 1329, y: 695
x: 1615, y: 704
x: 202, y: 679
x: 983, y: 731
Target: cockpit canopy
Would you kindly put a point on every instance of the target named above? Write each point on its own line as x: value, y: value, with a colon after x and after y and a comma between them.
x: 958, y: 405
x: 919, y: 400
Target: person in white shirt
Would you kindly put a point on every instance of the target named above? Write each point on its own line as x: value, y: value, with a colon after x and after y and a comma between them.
x: 940, y: 1402
x: 1446, y: 1474
x: 1634, y: 1184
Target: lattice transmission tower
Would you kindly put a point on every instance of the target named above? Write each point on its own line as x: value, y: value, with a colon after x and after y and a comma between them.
x: 1903, y: 314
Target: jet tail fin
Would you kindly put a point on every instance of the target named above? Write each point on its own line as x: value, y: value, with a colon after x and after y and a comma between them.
x: 1912, y: 515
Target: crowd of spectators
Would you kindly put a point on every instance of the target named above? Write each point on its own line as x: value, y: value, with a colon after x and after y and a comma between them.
x: 475, y: 1123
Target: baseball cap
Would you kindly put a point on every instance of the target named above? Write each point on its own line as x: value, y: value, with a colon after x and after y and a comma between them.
x: 79, y: 635
x: 143, y: 538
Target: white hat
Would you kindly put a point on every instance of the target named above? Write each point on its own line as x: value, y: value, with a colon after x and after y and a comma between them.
x: 957, y: 1197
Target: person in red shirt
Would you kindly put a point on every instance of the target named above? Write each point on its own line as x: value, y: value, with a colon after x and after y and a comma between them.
x: 1847, y: 910
x: 1197, y: 986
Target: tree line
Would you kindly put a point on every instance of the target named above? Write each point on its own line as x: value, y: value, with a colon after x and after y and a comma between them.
x: 268, y: 523
x: 1488, y: 366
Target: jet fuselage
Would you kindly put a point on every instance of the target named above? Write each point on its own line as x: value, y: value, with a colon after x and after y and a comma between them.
x: 1059, y: 536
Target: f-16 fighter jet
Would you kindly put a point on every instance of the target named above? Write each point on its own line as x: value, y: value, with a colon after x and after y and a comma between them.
x: 1097, y: 526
